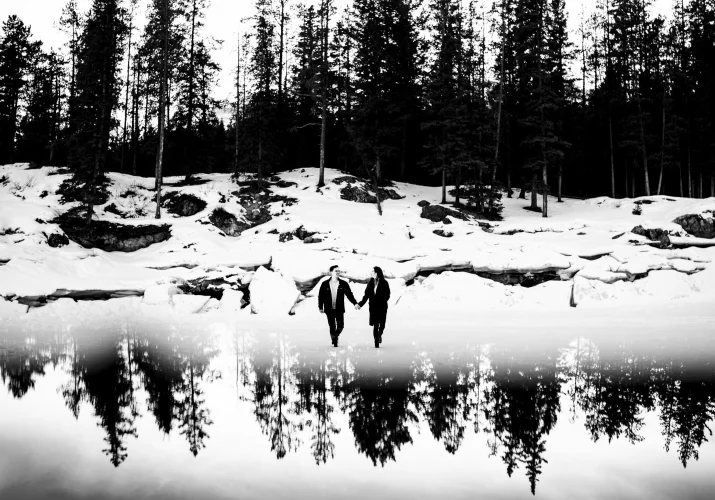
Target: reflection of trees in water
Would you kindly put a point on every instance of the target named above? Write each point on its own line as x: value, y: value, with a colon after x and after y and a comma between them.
x: 616, y: 395
x: 23, y: 358
x: 102, y: 377
x: 314, y: 400
x: 274, y: 393
x: 510, y: 394
x: 444, y: 398
x: 380, y: 402
x: 173, y: 369
x: 687, y: 404
x: 522, y: 405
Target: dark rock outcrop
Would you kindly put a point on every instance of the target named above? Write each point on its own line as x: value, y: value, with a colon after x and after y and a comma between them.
x: 362, y: 194
x: 228, y: 223
x: 112, y: 209
x: 437, y: 213
x: 443, y: 233
x: 112, y: 237
x: 658, y: 235
x: 697, y: 225
x: 212, y: 287
x: 423, y: 203
x: 185, y: 205
x: 301, y: 233
x: 57, y: 240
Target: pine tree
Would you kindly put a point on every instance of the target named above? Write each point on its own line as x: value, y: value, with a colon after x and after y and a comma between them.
x: 97, y: 95
x: 18, y: 55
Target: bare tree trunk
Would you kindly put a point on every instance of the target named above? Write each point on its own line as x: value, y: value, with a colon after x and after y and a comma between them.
x: 444, y: 182
x: 613, y: 165
x: 162, y: 108
x: 662, y: 146
x: 559, y: 200
x: 126, y: 92
x: 192, y: 91
x: 135, y: 119
x: 457, y: 182
x: 499, y: 105
x: 646, y: 179
x: 375, y: 185
x: 403, y: 152
x: 690, y: 176
x: 324, y: 22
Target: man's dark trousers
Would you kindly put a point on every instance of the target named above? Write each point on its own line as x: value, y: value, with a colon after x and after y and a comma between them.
x: 335, y: 322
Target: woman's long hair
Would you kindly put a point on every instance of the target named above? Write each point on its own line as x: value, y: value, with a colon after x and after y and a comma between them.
x: 378, y: 271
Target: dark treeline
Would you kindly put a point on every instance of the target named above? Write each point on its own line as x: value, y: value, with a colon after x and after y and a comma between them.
x: 514, y: 395
x: 486, y: 94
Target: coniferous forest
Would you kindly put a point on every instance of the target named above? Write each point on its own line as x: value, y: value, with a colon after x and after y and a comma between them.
x: 492, y: 96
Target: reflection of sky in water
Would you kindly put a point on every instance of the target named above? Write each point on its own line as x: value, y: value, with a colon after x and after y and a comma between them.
x: 213, y: 411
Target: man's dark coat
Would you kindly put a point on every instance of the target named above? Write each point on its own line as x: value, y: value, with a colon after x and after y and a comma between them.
x: 325, y: 297
x: 378, y: 300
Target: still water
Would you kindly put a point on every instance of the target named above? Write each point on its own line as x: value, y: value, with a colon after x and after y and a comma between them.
x: 154, y: 410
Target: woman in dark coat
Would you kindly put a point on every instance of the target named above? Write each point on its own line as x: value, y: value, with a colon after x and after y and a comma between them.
x: 378, y: 293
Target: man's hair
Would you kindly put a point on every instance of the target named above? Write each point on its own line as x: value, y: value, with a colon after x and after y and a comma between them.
x: 333, y: 267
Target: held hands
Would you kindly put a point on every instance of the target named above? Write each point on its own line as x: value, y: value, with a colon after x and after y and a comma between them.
x: 357, y: 307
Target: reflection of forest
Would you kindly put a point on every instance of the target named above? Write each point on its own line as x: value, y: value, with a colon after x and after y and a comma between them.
x: 106, y: 371
x: 514, y: 396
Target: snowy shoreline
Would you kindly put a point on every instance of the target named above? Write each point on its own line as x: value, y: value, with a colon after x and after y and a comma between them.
x: 587, y: 245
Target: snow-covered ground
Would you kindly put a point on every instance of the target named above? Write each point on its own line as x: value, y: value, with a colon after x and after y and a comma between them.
x: 602, y: 265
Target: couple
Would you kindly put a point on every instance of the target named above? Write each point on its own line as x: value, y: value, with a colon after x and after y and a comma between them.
x: 331, y: 302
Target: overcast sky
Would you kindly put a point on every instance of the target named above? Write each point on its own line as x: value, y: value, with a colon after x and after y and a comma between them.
x: 221, y: 21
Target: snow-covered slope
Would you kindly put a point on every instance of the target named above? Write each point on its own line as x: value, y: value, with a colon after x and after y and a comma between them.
x: 587, y: 243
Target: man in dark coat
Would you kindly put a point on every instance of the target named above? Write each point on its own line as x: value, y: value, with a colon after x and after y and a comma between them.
x: 377, y: 292
x: 331, y: 301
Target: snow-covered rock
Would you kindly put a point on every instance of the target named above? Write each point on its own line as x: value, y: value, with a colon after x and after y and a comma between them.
x: 231, y: 301
x: 272, y: 293
x: 161, y: 294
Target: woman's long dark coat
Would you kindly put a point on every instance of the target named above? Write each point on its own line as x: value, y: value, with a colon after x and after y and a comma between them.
x: 378, y: 299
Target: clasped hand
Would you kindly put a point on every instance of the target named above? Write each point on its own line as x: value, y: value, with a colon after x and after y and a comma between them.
x: 357, y: 307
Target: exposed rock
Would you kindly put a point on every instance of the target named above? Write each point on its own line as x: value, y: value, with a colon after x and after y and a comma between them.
x: 42, y: 300
x: 311, y: 239
x: 697, y: 225
x: 112, y: 209
x: 285, y: 184
x: 213, y: 287
x: 444, y: 234
x: 363, y: 194
x: 437, y: 213
x: 185, y: 205
x: 56, y: 240
x: 446, y: 221
x: 346, y: 178
x: 301, y: 233
x: 256, y: 213
x: 354, y: 193
x: 112, y: 237
x: 523, y: 279
x: 658, y: 235
x: 423, y: 203
x: 228, y: 223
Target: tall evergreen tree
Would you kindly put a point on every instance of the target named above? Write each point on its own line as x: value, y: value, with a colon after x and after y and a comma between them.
x: 97, y: 94
x: 17, y: 58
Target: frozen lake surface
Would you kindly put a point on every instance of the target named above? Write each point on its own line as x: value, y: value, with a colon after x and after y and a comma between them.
x: 133, y: 406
